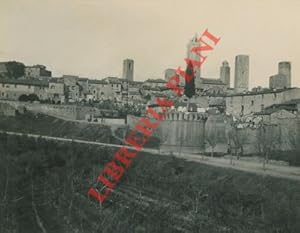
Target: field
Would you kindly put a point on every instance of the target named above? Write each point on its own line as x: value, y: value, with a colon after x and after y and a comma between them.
x: 44, y: 189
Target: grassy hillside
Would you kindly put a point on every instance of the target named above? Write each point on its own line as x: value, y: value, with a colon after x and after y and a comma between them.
x: 51, y: 126
x: 44, y: 184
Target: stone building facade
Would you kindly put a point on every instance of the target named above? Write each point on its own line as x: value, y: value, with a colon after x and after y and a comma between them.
x: 56, y: 91
x: 209, y: 86
x: 72, y: 88
x: 12, y: 89
x: 99, y: 89
x: 37, y: 71
x: 252, y: 102
x: 278, y: 81
x: 153, y: 83
x: 283, y: 78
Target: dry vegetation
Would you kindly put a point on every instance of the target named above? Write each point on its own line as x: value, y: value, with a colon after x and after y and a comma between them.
x: 44, y: 186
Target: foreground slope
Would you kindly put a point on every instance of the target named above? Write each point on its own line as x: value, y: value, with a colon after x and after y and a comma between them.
x: 44, y: 186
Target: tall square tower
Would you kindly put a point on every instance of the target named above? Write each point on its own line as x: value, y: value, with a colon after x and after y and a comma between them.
x: 128, y: 67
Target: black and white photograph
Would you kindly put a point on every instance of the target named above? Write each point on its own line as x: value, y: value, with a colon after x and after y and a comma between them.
x: 149, y: 116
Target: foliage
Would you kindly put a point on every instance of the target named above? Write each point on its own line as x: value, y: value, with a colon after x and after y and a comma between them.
x: 189, y: 89
x: 30, y: 97
x: 23, y: 98
x: 33, y: 97
x: 15, y: 69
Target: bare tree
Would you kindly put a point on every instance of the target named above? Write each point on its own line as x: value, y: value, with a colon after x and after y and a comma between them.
x: 164, y: 136
x: 268, y: 140
x: 211, y: 134
x: 238, y: 137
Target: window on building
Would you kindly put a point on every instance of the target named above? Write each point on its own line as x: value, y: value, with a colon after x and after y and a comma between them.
x: 15, y: 85
x: 242, y: 110
x: 252, y: 102
x: 29, y: 86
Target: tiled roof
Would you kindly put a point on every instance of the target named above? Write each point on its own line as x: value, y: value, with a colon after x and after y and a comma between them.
x: 270, y: 111
x: 135, y: 82
x: 56, y: 80
x: 134, y: 93
x: 83, y: 79
x: 212, y: 81
x: 266, y: 91
x: 293, y: 101
x: 96, y: 81
x: 155, y: 81
x: 114, y: 80
x: 288, y: 105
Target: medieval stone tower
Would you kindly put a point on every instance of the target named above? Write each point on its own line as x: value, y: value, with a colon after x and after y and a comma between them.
x: 225, y: 73
x: 193, y: 56
x: 128, y: 66
x: 284, y: 68
x: 241, y: 74
x: 169, y: 73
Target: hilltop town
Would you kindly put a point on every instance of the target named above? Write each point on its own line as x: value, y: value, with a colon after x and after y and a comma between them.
x: 57, y: 133
x: 217, y: 118
x: 143, y: 116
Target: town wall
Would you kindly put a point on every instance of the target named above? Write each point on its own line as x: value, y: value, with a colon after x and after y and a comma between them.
x: 197, y: 132
x: 179, y: 131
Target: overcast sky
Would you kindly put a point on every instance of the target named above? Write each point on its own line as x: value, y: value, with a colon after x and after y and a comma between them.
x: 90, y: 38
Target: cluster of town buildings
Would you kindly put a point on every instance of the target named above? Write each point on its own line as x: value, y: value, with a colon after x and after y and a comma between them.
x: 210, y: 93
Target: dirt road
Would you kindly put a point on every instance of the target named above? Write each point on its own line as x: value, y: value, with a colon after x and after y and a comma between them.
x: 287, y: 172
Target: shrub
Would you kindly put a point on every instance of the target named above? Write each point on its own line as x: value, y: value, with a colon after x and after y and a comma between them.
x: 23, y: 98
